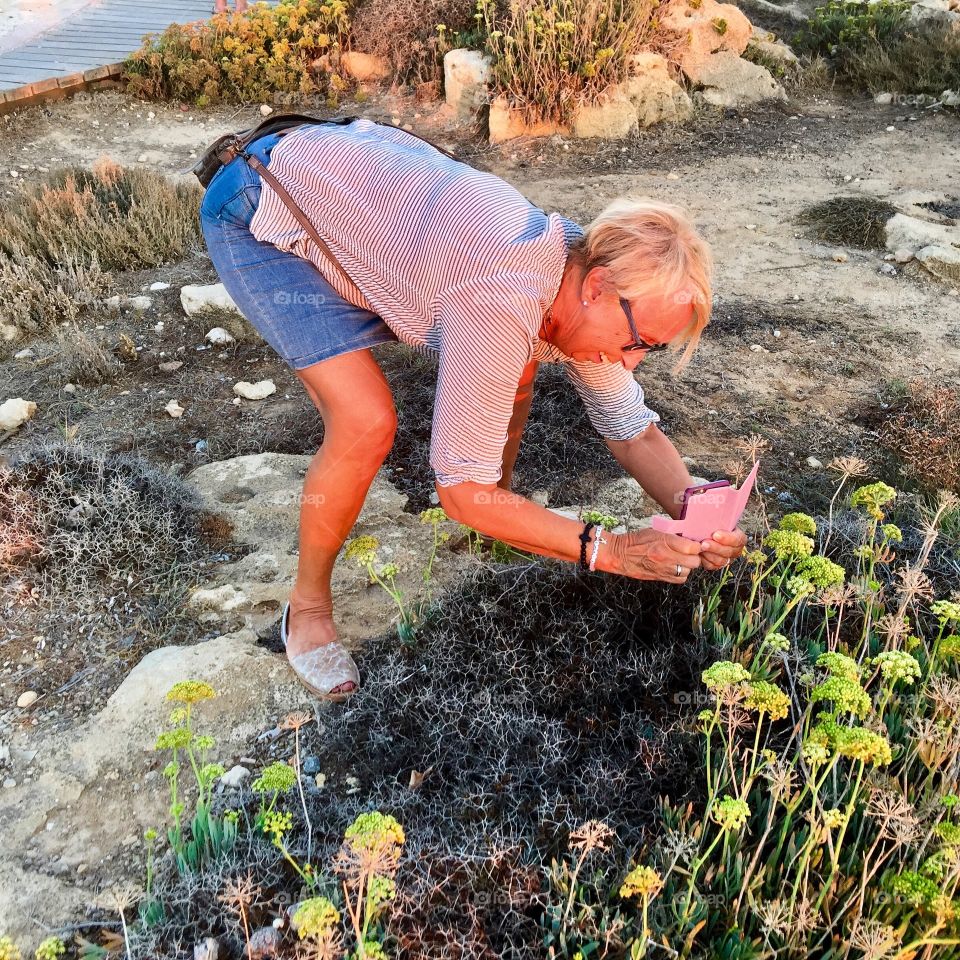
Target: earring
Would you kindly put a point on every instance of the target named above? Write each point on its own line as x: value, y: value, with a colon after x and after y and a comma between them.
x: 584, y: 302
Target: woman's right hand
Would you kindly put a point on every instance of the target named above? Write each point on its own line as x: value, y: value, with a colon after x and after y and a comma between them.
x: 649, y: 555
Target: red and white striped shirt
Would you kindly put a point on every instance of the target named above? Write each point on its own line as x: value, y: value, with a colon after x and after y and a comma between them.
x: 455, y: 261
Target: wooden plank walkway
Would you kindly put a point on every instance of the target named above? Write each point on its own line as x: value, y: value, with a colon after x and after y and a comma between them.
x: 102, y: 33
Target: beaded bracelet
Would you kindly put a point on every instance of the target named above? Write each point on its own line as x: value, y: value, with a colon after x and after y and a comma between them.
x: 597, y: 540
x: 584, y: 540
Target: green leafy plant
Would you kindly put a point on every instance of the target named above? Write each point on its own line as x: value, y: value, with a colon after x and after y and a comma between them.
x: 204, y: 836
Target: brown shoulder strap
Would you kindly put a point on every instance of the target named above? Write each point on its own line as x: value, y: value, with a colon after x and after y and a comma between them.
x: 298, y: 214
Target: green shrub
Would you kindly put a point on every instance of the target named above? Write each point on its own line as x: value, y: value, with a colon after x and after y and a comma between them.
x: 244, y: 57
x: 874, y: 47
x: 551, y: 55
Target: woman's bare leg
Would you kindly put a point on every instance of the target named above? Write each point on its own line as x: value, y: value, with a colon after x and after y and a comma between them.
x: 359, y: 423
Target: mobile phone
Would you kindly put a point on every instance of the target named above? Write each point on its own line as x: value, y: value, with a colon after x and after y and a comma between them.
x: 693, y: 491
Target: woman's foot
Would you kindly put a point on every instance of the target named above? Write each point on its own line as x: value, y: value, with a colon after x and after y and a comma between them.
x: 314, y: 651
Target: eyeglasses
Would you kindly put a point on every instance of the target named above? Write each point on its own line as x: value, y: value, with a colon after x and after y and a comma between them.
x: 638, y: 342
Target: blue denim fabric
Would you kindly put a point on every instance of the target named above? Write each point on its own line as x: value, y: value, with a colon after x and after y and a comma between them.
x: 284, y: 296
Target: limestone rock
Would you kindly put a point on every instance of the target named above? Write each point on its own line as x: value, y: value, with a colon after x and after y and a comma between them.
x: 942, y: 262
x: 195, y: 298
x: 15, y: 412
x: 705, y: 28
x: 657, y: 97
x: 222, y: 599
x: 364, y: 66
x: 466, y: 75
x: 508, y: 123
x: 613, y: 118
x: 912, y: 233
x: 943, y: 13
x: 174, y: 409
x: 729, y: 81
x: 765, y: 44
x: 255, y: 391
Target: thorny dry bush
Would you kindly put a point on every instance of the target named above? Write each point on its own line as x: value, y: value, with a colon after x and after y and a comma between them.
x: 533, y: 699
x: 849, y: 221
x: 923, y: 431
x: 60, y: 234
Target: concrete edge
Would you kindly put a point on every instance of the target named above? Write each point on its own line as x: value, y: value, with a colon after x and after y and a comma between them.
x: 56, y: 88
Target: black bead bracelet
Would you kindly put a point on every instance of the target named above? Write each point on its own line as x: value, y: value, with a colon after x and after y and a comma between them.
x: 584, y: 540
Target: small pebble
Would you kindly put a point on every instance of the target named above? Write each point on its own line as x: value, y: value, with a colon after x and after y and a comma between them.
x: 69, y: 388
x: 28, y: 698
x: 169, y: 366
x: 814, y: 463
x: 174, y: 409
x: 24, y: 354
x: 891, y: 128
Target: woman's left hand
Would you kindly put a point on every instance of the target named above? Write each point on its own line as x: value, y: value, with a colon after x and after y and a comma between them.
x: 722, y: 548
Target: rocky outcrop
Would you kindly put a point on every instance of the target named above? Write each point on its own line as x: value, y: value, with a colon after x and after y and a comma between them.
x: 935, y: 245
x: 705, y: 27
x: 466, y: 80
x: 729, y: 81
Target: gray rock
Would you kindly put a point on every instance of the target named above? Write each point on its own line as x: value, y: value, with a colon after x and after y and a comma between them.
x: 942, y: 262
x: 729, y: 81
x: 466, y: 79
x: 235, y: 777
x: 311, y: 766
x: 264, y: 943
x: 912, y: 233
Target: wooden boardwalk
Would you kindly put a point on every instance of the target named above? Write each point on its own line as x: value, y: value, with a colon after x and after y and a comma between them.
x: 104, y: 32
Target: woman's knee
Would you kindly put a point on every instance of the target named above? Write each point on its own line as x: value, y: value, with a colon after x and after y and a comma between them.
x: 364, y: 439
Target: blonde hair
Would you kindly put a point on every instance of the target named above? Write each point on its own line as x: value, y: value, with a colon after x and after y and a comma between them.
x: 647, y: 245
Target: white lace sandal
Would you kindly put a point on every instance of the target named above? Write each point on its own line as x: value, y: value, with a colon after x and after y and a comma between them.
x: 323, y: 669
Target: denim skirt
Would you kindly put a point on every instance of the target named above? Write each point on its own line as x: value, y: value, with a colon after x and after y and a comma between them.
x: 285, y: 297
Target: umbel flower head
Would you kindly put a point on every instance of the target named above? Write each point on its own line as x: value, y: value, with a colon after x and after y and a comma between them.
x: 872, y: 497
x: 191, y: 691
x: 8, y: 949
x: 723, y: 675
x: 839, y: 665
x: 821, y: 572
x: 815, y: 752
x: 277, y: 778
x: 767, y: 698
x: 947, y: 611
x: 847, y: 695
x: 433, y: 516
x: 363, y: 550
x: 788, y: 544
x: 178, y: 739
x: 641, y: 882
x: 372, y: 832
x: 798, y: 522
x: 833, y: 819
x: 917, y: 890
x: 777, y: 640
x: 800, y: 586
x: 855, y: 743
x: 316, y: 917
x: 897, y: 666
x: 730, y: 813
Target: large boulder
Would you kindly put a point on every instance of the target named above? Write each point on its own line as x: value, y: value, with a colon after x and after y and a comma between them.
x: 466, y: 78
x: 912, y: 233
x: 612, y: 118
x: 705, y: 27
x: 729, y: 81
x: 943, y: 13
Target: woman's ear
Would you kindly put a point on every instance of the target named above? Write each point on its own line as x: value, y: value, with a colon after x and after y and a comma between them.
x: 594, y: 284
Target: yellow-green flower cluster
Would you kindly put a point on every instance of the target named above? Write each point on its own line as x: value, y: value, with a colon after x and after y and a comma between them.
x: 765, y: 697
x: 730, y: 813
x: 373, y: 950
x: 799, y: 523
x: 381, y: 890
x: 434, y: 516
x: 756, y: 558
x: 596, y: 516
x: 821, y: 572
x: 8, y: 949
x: 641, y: 882
x: 897, y: 666
x: 916, y: 889
x: 788, y: 544
x: 834, y: 818
x: 375, y: 831
x: 316, y: 917
x: 891, y: 533
x: 777, y: 640
x: 872, y: 497
x: 174, y: 739
x: 855, y: 743
x: 363, y: 550
x: 51, y: 949
x: 847, y: 695
x: 277, y: 778
x: 950, y: 645
x: 277, y: 824
x: 947, y: 611
x: 815, y: 752
x: 723, y: 675
x: 839, y: 665
x: 191, y: 691
x: 800, y: 587
x: 949, y: 833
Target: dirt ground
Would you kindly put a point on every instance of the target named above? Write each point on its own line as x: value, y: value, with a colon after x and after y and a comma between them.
x: 805, y: 343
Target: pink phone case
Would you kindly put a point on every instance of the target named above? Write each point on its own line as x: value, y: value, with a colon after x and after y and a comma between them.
x: 719, y: 508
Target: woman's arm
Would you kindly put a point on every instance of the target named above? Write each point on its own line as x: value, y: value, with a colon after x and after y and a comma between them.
x: 653, y: 461
x: 521, y: 411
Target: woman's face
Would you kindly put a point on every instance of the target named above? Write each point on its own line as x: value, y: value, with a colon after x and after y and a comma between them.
x: 599, y: 330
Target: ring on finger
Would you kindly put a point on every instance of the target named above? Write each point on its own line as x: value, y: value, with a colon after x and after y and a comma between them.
x: 679, y: 570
